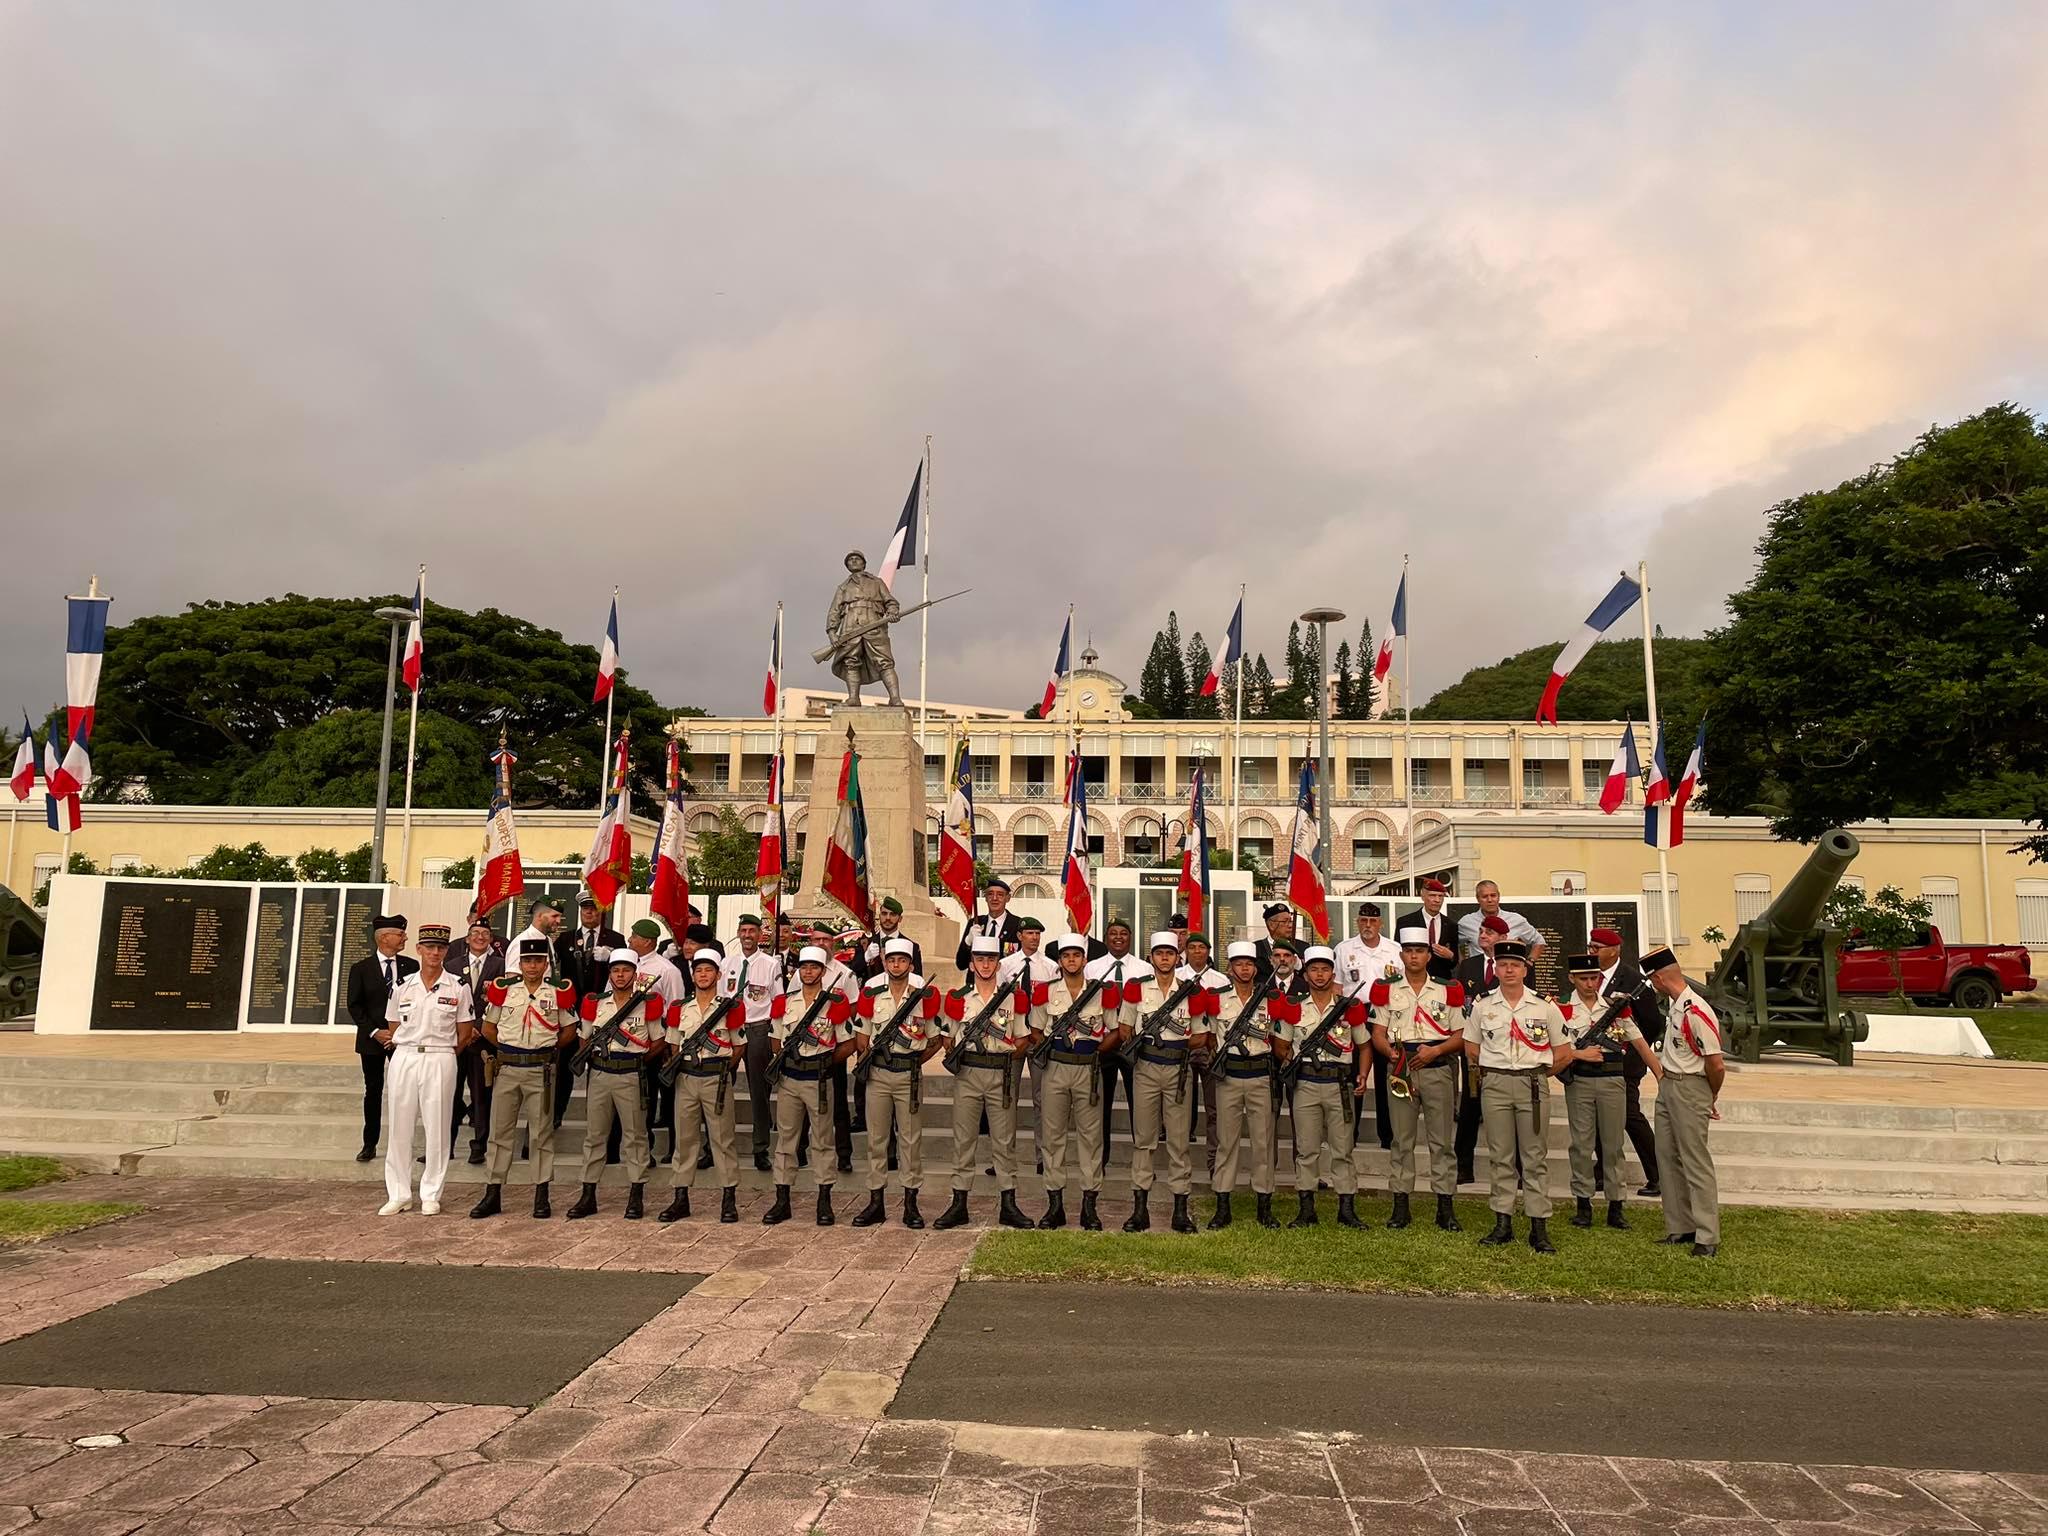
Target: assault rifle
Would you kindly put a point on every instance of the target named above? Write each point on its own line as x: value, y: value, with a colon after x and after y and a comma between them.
x: 1061, y: 1035
x: 1600, y: 1036
x: 976, y: 1031
x: 1155, y: 1023
x: 1313, y: 1045
x: 892, y: 1035
x: 609, y: 1031
x: 803, y: 1027
x: 691, y: 1048
x: 1241, y: 1026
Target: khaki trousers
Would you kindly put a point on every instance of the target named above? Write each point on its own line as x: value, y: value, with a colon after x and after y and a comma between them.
x: 1152, y: 1105
x: 608, y: 1096
x: 522, y: 1089
x: 1433, y: 1108
x: 1516, y: 1113
x: 978, y: 1091
x: 1319, y: 1117
x: 1685, y: 1164
x: 797, y: 1100
x: 697, y: 1107
x: 1063, y: 1108
x: 1598, y: 1109
x: 1243, y: 1104
x: 888, y: 1108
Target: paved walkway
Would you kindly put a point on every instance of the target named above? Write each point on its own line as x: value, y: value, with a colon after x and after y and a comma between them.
x: 753, y: 1405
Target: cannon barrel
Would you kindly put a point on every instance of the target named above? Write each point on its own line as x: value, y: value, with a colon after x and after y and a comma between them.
x: 1791, y: 919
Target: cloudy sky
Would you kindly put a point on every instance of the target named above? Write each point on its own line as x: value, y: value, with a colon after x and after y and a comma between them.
x: 294, y: 295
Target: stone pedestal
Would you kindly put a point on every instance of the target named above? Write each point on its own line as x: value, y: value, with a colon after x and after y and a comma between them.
x: 892, y: 789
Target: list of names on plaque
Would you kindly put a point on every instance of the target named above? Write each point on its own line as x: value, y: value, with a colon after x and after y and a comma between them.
x: 313, y: 984
x: 171, y: 955
x: 271, y: 954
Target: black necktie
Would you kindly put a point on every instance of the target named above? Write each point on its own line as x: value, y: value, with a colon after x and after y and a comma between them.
x: 390, y: 974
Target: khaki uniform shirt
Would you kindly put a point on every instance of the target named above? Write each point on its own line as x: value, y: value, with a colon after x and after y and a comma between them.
x: 1579, y: 1021
x: 1178, y: 1028
x: 917, y: 1031
x: 527, y: 1019
x: 1098, y: 1015
x: 1429, y: 1015
x: 641, y: 1030
x: 688, y: 1016
x: 1514, y: 1037
x: 1340, y: 1046
x: 1005, y: 1026
x: 1258, y: 1039
x: 1691, y: 1034
x: 806, y: 1043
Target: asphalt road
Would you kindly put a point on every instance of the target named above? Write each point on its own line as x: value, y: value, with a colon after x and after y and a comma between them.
x: 1600, y: 1380
x: 444, y: 1333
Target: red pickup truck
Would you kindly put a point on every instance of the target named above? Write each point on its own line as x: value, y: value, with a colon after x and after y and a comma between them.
x: 1962, y: 975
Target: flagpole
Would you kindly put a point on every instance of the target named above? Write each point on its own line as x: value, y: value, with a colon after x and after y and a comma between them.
x: 412, y: 736
x: 13, y: 820
x: 1237, y: 735
x: 775, y: 773
x: 1656, y: 735
x: 1408, y: 736
x: 924, y: 619
x: 604, y: 770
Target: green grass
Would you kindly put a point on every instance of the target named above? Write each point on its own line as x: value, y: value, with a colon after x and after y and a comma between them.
x: 26, y: 1221
x: 2016, y: 1034
x: 28, y: 1172
x: 1832, y: 1261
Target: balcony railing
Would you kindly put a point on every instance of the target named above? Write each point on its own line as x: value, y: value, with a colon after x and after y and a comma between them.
x: 1373, y: 866
x: 1030, y: 791
x: 1371, y: 794
x: 1432, y: 794
x: 1142, y: 792
x: 1486, y: 794
x: 1031, y: 862
x: 1547, y: 794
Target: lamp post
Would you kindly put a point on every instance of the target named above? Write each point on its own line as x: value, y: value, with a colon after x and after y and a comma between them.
x: 1323, y: 618
x: 398, y: 619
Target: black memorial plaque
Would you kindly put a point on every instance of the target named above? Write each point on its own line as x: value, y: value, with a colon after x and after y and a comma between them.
x: 270, y: 957
x: 170, y: 955
x: 1621, y: 917
x: 360, y: 907
x: 319, y: 930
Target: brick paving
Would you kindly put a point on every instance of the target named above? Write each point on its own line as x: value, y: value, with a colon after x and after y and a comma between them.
x: 752, y: 1406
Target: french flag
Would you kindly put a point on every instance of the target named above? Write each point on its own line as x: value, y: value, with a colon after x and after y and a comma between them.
x: 608, y: 657
x: 1080, y: 900
x: 61, y: 811
x: 503, y: 876
x: 415, y: 649
x: 1688, y: 782
x: 902, y: 548
x: 1059, y: 670
x: 768, y: 689
x: 23, y: 780
x: 956, y: 834
x: 1228, y: 654
x: 1194, y: 860
x: 1616, y: 603
x: 69, y: 778
x: 1657, y: 799
x: 1620, y: 773
x: 669, y: 894
x: 608, y: 867
x: 1304, y: 883
x: 768, y: 865
x: 1397, y: 628
x: 85, y: 646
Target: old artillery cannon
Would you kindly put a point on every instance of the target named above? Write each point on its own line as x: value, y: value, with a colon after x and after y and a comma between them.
x: 1775, y: 983
x: 21, y: 955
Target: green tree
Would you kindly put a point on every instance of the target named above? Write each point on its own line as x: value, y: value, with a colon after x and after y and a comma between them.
x: 1888, y: 921
x: 1175, y: 657
x: 1196, y: 665
x: 1606, y: 685
x: 328, y: 866
x: 1297, y: 699
x: 460, y: 876
x: 1258, y: 689
x: 725, y: 858
x: 1890, y: 656
x: 1346, y: 702
x: 251, y: 861
x: 280, y: 702
x: 1155, y: 681
x: 1362, y: 688
x: 79, y: 865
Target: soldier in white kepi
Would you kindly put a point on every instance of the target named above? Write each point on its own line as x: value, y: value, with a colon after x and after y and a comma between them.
x: 1167, y: 1018
x: 426, y: 1022
x: 623, y: 1033
x: 708, y: 1035
x: 1418, y: 1029
x: 1686, y: 1095
x: 1519, y: 1044
x: 1251, y: 1042
x: 990, y: 1030
x: 1331, y: 1039
x: 1080, y: 1024
x: 896, y: 1031
x: 812, y: 1025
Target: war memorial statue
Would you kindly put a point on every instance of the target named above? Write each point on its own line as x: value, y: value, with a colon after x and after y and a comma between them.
x: 858, y: 623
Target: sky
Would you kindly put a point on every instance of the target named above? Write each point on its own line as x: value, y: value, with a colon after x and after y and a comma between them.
x: 294, y: 296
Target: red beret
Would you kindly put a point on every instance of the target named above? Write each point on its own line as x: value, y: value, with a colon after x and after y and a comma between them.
x: 1494, y: 924
x: 1434, y: 884
x: 1604, y: 936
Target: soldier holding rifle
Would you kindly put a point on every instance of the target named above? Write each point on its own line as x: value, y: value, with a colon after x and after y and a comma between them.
x: 622, y: 1034
x: 708, y: 1035
x: 1598, y: 1037
x: 811, y: 1025
x: 1328, y: 1066
x: 896, y: 1032
x: 1080, y: 1024
x: 991, y: 1027
x: 1253, y: 1043
x: 1167, y: 1019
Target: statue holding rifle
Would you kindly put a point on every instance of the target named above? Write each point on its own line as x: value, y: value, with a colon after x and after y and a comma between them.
x: 858, y: 623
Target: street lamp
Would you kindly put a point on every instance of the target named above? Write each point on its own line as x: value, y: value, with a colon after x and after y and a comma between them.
x: 399, y: 619
x: 1323, y: 618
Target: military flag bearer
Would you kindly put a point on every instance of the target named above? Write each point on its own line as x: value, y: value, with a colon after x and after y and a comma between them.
x: 527, y: 1019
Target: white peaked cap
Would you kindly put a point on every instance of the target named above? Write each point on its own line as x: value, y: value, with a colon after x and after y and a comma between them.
x: 1318, y: 952
x: 1414, y: 936
x: 811, y: 954
x: 1165, y: 938
x: 899, y: 947
x: 1072, y: 941
x: 1242, y: 949
x: 986, y: 944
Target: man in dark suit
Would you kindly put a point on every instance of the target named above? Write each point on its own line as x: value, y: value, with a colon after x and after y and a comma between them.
x: 1618, y: 975
x: 478, y: 963
x: 998, y: 923
x: 867, y: 954
x: 592, y: 944
x: 1475, y: 973
x: 371, y: 981
x: 1443, y: 933
x: 1279, y: 925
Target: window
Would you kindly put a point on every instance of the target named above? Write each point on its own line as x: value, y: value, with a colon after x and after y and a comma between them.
x: 1361, y: 778
x: 1094, y: 847
x: 1567, y: 882
x: 1752, y: 895
x: 46, y: 867
x: 796, y: 844
x: 431, y: 871
x: 984, y: 776
x: 1369, y: 855
x: 1259, y: 848
x: 124, y: 863
x: 1653, y: 912
x: 1533, y: 781
x: 1418, y: 773
x: 2033, y: 899
x: 1944, y: 898
x: 1854, y: 883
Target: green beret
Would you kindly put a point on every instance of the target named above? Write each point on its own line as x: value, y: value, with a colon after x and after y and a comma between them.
x: 647, y: 928
x: 891, y: 904
x: 750, y: 917
x: 1030, y: 925
x: 1287, y: 944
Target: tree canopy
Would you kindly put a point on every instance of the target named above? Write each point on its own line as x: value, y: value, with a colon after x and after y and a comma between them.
x: 1607, y: 685
x: 280, y: 703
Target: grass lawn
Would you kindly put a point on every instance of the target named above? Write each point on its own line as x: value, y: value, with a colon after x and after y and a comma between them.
x: 24, y: 1221
x: 1835, y: 1261
x: 2016, y: 1034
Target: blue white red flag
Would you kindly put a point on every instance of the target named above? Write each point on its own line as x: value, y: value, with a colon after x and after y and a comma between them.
x: 1304, y: 880
x: 73, y: 773
x: 769, y: 689
x: 1228, y: 654
x: 846, y: 860
x: 23, y: 780
x: 415, y: 644
x: 1059, y: 670
x: 1617, y: 602
x: 1657, y: 799
x: 500, y: 874
x: 1194, y: 860
x: 956, y: 834
x: 902, y: 548
x: 608, y: 657
x: 608, y: 867
x: 1688, y: 783
x: 768, y: 862
x: 1074, y: 888
x: 61, y: 811
x: 1620, y: 773
x: 85, y: 645
x: 669, y: 893
x: 1397, y: 627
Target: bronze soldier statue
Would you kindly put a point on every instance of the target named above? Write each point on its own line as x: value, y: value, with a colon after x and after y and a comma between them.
x: 863, y: 601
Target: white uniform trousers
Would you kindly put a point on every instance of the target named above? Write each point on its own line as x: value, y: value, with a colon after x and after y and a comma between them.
x: 419, y: 1089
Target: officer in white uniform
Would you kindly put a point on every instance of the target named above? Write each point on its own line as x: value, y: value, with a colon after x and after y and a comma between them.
x: 425, y: 1023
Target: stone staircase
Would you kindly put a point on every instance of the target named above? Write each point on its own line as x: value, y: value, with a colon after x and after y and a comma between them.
x: 238, y: 1119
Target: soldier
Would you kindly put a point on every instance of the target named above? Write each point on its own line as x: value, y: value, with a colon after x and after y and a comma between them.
x: 863, y: 599
x: 753, y: 971
x: 479, y: 964
x: 426, y: 1022
x: 1687, y: 1090
x: 895, y: 1100
x: 704, y: 1092
x: 868, y: 957
x: 612, y: 1091
x: 1515, y: 1038
x: 1418, y: 1027
x: 1618, y: 977
x: 812, y: 1023
x: 1194, y: 949
x: 1475, y: 973
x: 1169, y: 1019
x: 1279, y: 918
x: 1029, y: 961
x: 1330, y: 1068
x: 1080, y: 1023
x: 999, y: 923
x: 526, y: 1020
x: 991, y: 1026
x: 1594, y: 1102
x: 1242, y: 1090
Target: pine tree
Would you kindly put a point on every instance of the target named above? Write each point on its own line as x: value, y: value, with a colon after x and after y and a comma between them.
x: 1152, y: 682
x: 1176, y: 671
x: 1258, y: 690
x: 1362, y: 691
x: 1296, y: 699
x: 1197, y: 667
x: 1346, y: 701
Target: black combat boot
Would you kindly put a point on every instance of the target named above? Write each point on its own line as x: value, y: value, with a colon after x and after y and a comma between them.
x: 1582, y: 1213
x: 1503, y: 1231
x: 489, y: 1205
x: 1614, y: 1217
x: 1182, y: 1221
x: 586, y: 1203
x: 1140, y: 1219
x: 1266, y: 1216
x: 729, y: 1204
x: 1221, y: 1216
x: 954, y: 1215
x: 874, y: 1212
x: 1447, y: 1215
x: 1539, y: 1234
x: 704, y: 1159
x: 678, y: 1205
x: 1007, y: 1213
x: 779, y: 1211
x: 1090, y: 1221
x: 1347, y: 1212
x: 825, y: 1216
x: 1055, y: 1215
x: 1400, y: 1218
x: 541, y: 1209
x: 913, y: 1218
x: 1305, y: 1212
x: 636, y: 1201
x: 1675, y: 1240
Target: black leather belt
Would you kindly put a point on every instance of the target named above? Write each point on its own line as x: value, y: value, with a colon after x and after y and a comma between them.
x: 889, y: 1062
x: 619, y: 1064
x: 1585, y: 1071
x: 1247, y: 1067
x: 508, y: 1056
x: 807, y: 1074
x: 695, y: 1070
x: 1163, y: 1055
x: 993, y: 1061
x: 1074, y: 1058
x: 1510, y: 1071
x: 1325, y: 1075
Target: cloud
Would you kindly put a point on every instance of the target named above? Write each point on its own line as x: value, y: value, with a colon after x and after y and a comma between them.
x: 561, y: 297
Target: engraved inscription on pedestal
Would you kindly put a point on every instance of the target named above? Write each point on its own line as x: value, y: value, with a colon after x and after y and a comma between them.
x: 359, y: 909
x: 271, y: 954
x: 171, y: 955
x: 313, y: 978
